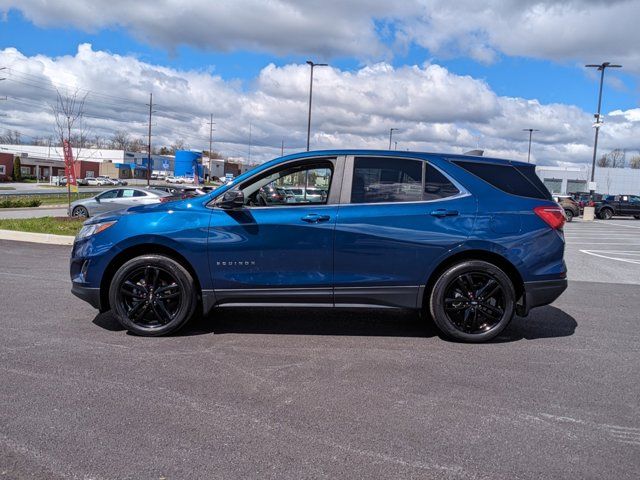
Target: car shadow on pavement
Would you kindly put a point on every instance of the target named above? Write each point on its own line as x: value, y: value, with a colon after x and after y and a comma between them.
x: 543, y: 322
x: 310, y: 321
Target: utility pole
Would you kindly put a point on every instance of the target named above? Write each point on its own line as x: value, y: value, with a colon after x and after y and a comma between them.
x: 282, y: 148
x: 211, y: 124
x: 312, y: 65
x: 530, y: 130
x: 391, y: 130
x: 396, y: 145
x: 149, y: 144
x: 601, y: 68
x: 249, y: 159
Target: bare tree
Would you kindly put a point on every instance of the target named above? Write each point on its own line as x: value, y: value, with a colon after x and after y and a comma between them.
x: 11, y: 137
x: 120, y: 140
x: 604, y: 161
x: 617, y: 158
x: 137, y: 145
x: 68, y: 113
x: 634, y: 162
x: 179, y: 144
x: 98, y: 141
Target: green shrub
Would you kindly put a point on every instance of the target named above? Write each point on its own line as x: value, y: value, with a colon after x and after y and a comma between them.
x: 20, y: 203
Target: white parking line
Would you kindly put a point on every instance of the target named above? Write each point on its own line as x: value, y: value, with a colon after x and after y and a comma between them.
x: 598, y: 253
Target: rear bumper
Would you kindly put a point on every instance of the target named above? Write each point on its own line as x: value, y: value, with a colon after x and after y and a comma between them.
x: 543, y: 292
x: 89, y: 295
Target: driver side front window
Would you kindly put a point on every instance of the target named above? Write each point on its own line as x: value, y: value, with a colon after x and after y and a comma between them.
x: 301, y: 184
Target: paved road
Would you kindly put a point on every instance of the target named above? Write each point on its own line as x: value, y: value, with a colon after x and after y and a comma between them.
x: 604, y: 250
x: 295, y: 394
x: 32, y: 212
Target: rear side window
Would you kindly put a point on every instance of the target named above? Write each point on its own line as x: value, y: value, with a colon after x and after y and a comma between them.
x: 377, y: 180
x: 436, y: 185
x: 520, y: 180
x: 383, y: 179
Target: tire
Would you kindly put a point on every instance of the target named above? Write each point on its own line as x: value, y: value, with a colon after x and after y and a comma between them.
x: 459, y: 307
x: 80, y: 212
x: 136, y: 300
x: 606, y: 214
x: 569, y: 215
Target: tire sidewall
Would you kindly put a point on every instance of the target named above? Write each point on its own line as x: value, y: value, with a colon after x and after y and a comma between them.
x: 183, y: 279
x: 80, y: 208
x: 436, y: 304
x: 569, y: 215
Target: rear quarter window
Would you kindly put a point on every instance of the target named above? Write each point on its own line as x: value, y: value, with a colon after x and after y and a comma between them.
x: 518, y: 180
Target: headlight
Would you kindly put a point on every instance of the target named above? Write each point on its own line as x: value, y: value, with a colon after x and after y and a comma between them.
x: 88, y: 230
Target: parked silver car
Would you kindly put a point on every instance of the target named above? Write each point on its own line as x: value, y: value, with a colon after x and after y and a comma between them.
x: 116, y: 199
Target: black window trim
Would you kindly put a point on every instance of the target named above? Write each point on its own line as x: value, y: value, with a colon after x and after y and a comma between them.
x: 347, y: 183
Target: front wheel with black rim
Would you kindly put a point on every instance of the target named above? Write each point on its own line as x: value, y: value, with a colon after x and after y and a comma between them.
x: 472, y: 301
x: 153, y: 295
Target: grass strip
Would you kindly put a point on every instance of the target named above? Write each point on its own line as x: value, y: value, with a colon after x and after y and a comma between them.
x: 55, y: 225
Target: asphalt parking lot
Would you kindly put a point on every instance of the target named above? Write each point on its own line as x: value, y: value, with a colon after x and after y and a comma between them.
x: 256, y: 393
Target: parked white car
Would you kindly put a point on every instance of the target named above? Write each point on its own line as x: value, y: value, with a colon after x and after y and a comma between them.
x: 175, y: 180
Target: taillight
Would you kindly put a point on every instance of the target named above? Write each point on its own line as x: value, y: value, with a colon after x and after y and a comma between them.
x: 552, y: 216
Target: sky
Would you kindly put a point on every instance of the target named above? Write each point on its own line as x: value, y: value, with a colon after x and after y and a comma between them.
x: 450, y: 75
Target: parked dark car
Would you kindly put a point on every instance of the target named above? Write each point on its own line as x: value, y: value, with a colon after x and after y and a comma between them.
x: 272, y: 195
x: 618, y: 205
x: 469, y: 241
x: 569, y: 205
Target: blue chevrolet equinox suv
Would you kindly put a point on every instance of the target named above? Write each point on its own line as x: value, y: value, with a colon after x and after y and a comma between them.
x: 470, y: 241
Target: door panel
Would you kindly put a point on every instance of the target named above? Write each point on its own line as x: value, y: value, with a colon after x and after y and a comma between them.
x: 396, y: 244
x: 259, y: 250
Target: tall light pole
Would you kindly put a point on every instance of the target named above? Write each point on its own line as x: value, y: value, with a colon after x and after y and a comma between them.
x: 312, y: 65
x: 391, y: 130
x: 530, y: 130
x: 602, y: 67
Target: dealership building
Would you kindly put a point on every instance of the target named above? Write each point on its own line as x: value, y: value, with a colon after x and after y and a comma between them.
x: 609, y: 181
x: 44, y: 162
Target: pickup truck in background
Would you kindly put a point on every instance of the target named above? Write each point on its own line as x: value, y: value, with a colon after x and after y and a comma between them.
x: 618, y: 205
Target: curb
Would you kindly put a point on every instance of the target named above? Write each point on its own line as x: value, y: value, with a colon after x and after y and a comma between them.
x: 48, y: 238
x: 26, y: 209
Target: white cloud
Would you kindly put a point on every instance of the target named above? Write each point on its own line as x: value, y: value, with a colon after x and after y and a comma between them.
x: 434, y: 109
x: 560, y: 30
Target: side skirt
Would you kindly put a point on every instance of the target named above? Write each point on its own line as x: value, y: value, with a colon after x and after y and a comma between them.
x: 342, y: 297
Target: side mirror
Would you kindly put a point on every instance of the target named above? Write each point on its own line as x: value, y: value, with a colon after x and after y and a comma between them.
x: 232, y: 200
x: 97, y: 199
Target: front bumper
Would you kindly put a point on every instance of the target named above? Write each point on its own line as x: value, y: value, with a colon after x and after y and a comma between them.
x: 88, y: 294
x: 537, y: 294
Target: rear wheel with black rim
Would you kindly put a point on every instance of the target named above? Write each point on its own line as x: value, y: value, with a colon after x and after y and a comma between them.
x: 606, y: 214
x: 473, y: 301
x: 153, y: 295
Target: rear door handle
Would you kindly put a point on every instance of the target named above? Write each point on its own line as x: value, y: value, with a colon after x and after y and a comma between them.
x: 315, y: 218
x: 441, y: 212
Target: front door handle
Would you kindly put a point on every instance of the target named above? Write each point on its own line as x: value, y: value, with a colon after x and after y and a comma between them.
x: 315, y: 218
x: 441, y: 212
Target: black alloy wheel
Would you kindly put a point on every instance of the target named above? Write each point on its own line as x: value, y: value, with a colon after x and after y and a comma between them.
x: 80, y: 212
x: 473, y: 301
x: 606, y: 214
x: 152, y: 295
